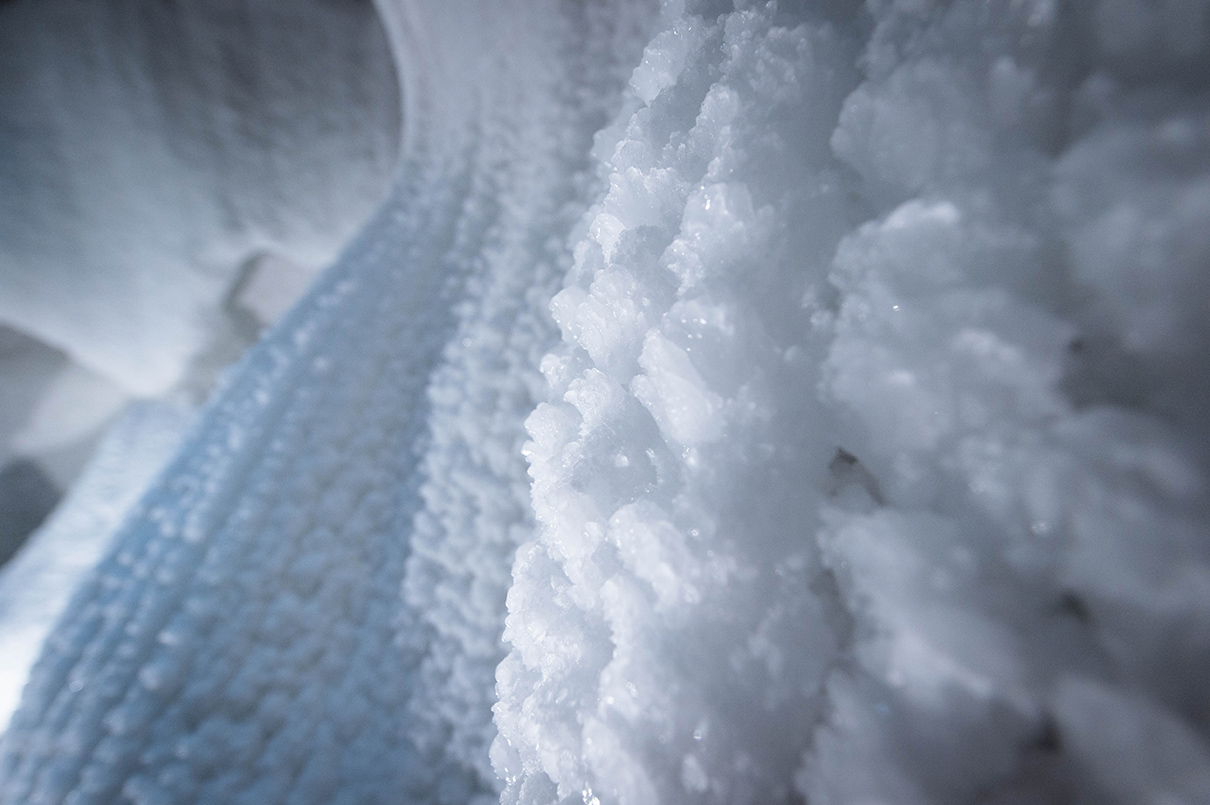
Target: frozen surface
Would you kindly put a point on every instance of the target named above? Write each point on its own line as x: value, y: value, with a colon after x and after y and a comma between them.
x: 827, y: 426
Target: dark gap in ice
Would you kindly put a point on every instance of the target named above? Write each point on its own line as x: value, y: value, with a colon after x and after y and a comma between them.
x: 1098, y: 372
x: 27, y: 496
x: 849, y: 478
x: 708, y: 9
x: 1050, y: 740
x: 841, y: 12
x: 1073, y: 605
x: 840, y: 619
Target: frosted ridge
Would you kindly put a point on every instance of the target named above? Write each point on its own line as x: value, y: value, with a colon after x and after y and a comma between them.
x: 881, y: 511
x: 475, y: 494
x: 666, y: 641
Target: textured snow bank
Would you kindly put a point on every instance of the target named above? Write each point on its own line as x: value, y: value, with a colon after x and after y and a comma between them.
x: 246, y: 640
x: 857, y: 365
x: 873, y: 467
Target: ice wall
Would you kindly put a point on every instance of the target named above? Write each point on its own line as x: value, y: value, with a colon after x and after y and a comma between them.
x: 867, y: 473
x: 856, y: 363
x: 148, y: 150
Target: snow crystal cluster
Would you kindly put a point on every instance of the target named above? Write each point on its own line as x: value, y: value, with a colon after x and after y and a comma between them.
x: 733, y: 402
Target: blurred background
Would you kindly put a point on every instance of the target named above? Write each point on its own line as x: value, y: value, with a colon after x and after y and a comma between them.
x: 173, y: 173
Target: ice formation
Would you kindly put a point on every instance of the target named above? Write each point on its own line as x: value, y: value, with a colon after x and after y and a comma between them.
x: 147, y: 150
x: 730, y: 403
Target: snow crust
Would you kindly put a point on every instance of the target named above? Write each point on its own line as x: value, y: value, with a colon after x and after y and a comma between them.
x: 754, y: 403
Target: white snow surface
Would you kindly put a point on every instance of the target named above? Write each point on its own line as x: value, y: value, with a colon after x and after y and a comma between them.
x: 736, y: 404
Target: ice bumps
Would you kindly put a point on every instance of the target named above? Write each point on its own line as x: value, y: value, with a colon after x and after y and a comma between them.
x: 672, y: 625
x: 868, y: 473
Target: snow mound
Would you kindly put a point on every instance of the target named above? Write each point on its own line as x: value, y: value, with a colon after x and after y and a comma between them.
x: 867, y: 473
